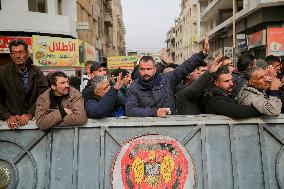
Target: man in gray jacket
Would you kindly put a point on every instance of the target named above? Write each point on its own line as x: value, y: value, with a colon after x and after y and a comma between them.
x: 261, y: 93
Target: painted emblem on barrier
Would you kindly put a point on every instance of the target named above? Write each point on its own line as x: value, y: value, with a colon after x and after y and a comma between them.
x: 153, y: 161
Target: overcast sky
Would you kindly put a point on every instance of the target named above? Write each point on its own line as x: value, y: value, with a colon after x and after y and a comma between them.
x: 147, y: 22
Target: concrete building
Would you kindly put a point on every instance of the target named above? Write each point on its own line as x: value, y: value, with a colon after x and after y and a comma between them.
x: 114, y: 40
x: 253, y: 20
x: 182, y: 37
x: 171, y: 43
x: 97, y: 22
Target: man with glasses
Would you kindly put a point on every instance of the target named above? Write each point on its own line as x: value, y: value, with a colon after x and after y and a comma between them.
x: 20, y: 85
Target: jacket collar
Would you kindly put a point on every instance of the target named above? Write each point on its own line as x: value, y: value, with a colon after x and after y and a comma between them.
x: 150, y: 85
x: 52, y: 98
x: 212, y: 90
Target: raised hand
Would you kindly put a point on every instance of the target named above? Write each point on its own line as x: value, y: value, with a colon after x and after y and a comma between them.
x: 165, y: 56
x: 119, y: 82
x: 215, y: 65
x: 127, y: 80
x: 206, y: 44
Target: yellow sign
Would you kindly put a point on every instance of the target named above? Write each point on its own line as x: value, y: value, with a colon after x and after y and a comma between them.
x: 55, y: 51
x: 123, y: 62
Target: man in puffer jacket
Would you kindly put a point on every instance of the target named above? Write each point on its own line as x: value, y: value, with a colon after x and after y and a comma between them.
x: 153, y: 93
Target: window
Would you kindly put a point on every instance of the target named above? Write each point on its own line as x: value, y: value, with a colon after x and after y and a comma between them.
x: 59, y: 7
x: 38, y: 6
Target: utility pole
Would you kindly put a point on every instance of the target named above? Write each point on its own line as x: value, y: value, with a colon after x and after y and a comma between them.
x: 234, y: 31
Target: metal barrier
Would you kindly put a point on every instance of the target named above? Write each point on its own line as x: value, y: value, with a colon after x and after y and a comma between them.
x: 226, y: 153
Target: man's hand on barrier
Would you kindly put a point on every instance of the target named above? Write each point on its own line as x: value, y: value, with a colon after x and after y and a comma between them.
x: 163, y: 112
x: 12, y: 121
x: 24, y: 119
x: 215, y: 65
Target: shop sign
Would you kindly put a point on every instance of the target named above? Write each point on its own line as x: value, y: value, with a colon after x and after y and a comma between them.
x: 123, y: 62
x: 4, y: 42
x: 55, y: 51
x: 257, y: 39
x: 242, y: 42
x: 275, y: 41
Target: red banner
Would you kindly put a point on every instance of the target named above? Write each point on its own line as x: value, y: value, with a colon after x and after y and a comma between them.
x: 275, y: 41
x: 4, y: 42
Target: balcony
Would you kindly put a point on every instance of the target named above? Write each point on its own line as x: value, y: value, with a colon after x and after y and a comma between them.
x: 108, y: 19
x: 34, y: 22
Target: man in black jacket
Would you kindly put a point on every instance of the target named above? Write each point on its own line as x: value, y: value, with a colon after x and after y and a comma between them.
x: 188, y: 98
x: 217, y: 97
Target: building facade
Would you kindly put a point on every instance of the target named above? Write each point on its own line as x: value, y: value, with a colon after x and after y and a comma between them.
x: 258, y: 22
x: 254, y: 19
x: 100, y: 23
x: 182, y: 37
x: 96, y: 22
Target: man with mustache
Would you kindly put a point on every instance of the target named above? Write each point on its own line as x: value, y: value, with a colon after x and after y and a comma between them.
x: 60, y: 105
x: 20, y: 85
x: 217, y: 97
x: 153, y: 93
x: 261, y: 93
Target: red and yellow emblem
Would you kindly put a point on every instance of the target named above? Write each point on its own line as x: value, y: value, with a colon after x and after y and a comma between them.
x: 153, y: 161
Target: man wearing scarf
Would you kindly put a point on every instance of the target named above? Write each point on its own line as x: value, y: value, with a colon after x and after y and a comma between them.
x: 153, y: 93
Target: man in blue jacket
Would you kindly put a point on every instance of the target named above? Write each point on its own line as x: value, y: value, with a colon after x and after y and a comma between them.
x: 105, y: 100
x: 153, y: 94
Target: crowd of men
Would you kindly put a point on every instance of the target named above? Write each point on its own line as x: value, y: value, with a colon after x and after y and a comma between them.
x: 252, y: 88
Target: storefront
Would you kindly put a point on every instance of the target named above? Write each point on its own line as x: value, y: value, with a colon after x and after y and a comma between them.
x: 266, y: 42
x: 257, y: 44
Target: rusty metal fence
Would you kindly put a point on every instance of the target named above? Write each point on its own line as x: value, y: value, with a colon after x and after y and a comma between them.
x: 246, y: 154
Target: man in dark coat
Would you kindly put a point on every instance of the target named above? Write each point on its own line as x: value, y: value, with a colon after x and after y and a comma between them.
x: 153, y: 93
x: 188, y: 98
x: 20, y: 85
x: 217, y: 97
x: 239, y: 75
